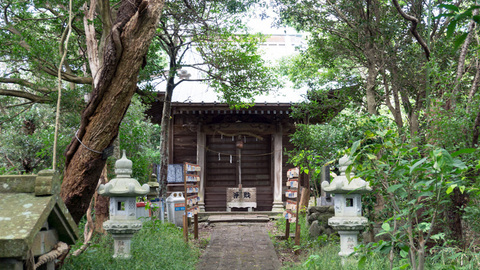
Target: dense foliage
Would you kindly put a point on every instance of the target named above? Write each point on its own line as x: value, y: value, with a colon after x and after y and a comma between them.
x: 408, y: 74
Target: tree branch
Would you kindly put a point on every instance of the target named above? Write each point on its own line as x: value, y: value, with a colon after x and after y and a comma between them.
x: 25, y: 95
x: 413, y: 28
x: 92, y: 47
x: 341, y: 15
x: 67, y: 77
x: 26, y: 83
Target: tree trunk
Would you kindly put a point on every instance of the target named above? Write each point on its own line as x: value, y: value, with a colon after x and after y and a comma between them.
x: 476, y: 130
x: 452, y: 101
x: 164, y: 133
x: 102, y: 204
x: 394, y: 109
x: 124, y: 52
x: 371, y: 77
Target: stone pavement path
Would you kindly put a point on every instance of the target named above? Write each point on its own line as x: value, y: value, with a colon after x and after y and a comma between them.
x: 239, y: 246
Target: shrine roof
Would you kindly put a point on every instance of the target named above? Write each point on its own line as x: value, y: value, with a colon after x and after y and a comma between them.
x: 25, y: 207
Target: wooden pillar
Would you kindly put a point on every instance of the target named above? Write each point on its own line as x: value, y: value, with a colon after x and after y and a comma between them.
x: 201, y: 144
x: 171, y: 140
x: 277, y: 170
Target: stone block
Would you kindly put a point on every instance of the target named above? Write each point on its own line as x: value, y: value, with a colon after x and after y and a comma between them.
x: 315, y: 230
x: 47, y: 183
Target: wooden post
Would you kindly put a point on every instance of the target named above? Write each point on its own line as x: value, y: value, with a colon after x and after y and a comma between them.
x: 304, y: 198
x: 185, y: 216
x: 287, y: 229
x: 277, y: 170
x: 201, y: 144
x: 297, y: 226
x: 185, y: 228
x: 195, y: 226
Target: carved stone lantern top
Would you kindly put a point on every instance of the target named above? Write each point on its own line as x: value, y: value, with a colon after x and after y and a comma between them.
x: 123, y: 185
x: 341, y: 185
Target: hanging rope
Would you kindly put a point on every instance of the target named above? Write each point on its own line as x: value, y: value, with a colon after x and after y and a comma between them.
x: 59, y: 99
x: 234, y: 155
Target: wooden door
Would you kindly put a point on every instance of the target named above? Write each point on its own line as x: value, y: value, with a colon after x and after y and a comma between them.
x: 223, y: 170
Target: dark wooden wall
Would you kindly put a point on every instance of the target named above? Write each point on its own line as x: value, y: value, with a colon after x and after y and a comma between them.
x: 223, y: 173
x: 184, y: 141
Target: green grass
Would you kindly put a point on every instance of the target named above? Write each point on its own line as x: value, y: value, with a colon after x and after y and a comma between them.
x: 156, y: 246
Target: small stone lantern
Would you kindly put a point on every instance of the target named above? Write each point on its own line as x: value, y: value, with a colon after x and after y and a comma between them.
x: 123, y: 191
x: 348, y: 220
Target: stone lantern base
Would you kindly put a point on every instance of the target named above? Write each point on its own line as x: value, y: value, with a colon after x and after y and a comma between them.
x: 121, y: 245
x: 348, y: 229
x: 348, y: 241
x: 122, y: 232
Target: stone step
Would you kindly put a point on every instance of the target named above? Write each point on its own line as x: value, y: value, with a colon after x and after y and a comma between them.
x: 238, y: 218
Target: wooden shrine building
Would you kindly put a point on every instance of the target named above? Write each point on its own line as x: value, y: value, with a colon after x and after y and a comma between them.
x: 245, y: 145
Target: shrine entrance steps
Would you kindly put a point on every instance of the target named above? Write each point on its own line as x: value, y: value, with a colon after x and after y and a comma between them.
x: 239, y: 246
x: 237, y: 217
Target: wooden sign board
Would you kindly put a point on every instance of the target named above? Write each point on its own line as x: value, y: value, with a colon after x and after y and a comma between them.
x: 192, y: 167
x: 192, y: 189
x: 246, y: 195
x: 293, y: 173
x: 292, y: 183
x: 291, y: 205
x: 291, y: 194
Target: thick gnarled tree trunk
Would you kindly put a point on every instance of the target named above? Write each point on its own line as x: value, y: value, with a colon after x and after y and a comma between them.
x: 123, y: 54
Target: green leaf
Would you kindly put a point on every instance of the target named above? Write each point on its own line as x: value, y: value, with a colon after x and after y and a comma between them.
x: 443, y: 160
x: 424, y: 194
x: 370, y: 156
x: 445, y: 15
x: 424, y: 226
x: 451, y: 188
x: 463, y: 15
x: 451, y: 28
x: 361, y: 262
x: 459, y: 164
x: 459, y: 41
x: 449, y: 7
x: 403, y: 253
x: 354, y: 147
x: 418, y: 163
x: 463, y: 151
x: 405, y: 266
x: 347, y: 172
x: 392, y: 189
x: 476, y: 18
x: 386, y: 227
x: 438, y: 236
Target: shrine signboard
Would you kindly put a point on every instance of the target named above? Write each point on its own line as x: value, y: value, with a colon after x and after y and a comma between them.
x: 241, y: 198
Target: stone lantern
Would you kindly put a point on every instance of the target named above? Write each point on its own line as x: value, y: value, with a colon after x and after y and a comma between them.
x: 348, y: 220
x: 123, y: 191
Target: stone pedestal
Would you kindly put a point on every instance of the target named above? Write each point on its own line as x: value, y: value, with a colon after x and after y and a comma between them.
x: 121, y: 245
x: 348, y: 241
